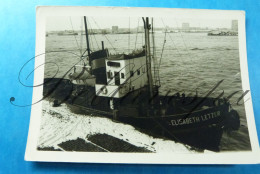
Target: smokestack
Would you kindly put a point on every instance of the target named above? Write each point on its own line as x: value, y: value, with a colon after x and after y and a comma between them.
x: 102, y: 42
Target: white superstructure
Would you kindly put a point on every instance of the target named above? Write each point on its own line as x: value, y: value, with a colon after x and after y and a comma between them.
x: 123, y: 75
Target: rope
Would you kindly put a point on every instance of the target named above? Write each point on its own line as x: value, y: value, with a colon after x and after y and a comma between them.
x: 81, y: 34
x: 163, y: 46
x: 104, y: 35
x: 137, y: 32
x: 129, y: 36
x: 184, y: 41
x: 91, y: 45
x: 93, y: 35
x: 142, y: 38
x: 174, y: 44
x: 73, y: 34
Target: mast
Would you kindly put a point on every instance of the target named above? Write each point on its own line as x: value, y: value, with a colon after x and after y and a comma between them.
x: 156, y: 77
x: 86, y: 31
x: 147, y: 27
x: 153, y: 40
x: 154, y: 56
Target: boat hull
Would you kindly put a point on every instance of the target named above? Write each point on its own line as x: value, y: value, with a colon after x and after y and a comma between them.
x: 200, y: 130
x: 197, y: 122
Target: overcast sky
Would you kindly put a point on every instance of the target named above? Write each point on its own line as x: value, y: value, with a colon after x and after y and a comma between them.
x: 75, y: 23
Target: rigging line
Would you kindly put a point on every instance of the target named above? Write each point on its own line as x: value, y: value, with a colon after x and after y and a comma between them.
x: 129, y: 35
x: 93, y: 35
x: 142, y: 38
x: 91, y: 41
x: 185, y: 45
x: 81, y: 43
x: 90, y: 35
x: 104, y: 35
x: 137, y: 32
x: 81, y: 40
x: 164, y: 41
x: 184, y: 41
x: 155, y: 63
x: 174, y: 44
x: 172, y: 39
x: 73, y: 34
x: 162, y: 49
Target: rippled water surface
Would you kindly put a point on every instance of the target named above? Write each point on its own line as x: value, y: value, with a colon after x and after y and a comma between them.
x: 190, y: 62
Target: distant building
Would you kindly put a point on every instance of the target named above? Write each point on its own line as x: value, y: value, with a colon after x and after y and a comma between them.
x: 234, y: 25
x: 185, y: 26
x: 104, y: 31
x: 114, y: 29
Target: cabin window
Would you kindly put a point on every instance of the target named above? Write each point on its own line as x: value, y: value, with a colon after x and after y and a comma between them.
x: 122, y: 75
x: 109, y: 75
x: 114, y: 64
x: 138, y: 72
x: 131, y: 73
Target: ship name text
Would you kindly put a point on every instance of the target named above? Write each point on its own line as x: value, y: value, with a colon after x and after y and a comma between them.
x: 195, y: 119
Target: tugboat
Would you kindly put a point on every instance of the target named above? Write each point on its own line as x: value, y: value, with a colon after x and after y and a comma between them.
x: 125, y: 88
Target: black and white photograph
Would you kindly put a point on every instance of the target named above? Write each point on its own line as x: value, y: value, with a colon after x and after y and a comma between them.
x: 143, y: 84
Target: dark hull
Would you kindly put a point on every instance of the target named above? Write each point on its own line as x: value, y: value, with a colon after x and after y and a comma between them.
x: 197, y: 122
x: 202, y: 137
x: 199, y: 131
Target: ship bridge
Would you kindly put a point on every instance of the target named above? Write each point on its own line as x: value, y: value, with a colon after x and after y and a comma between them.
x: 124, y: 73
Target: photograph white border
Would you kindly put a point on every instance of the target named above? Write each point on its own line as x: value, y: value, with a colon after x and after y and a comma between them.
x: 236, y: 157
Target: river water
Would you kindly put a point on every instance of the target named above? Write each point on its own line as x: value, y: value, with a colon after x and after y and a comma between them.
x: 190, y: 63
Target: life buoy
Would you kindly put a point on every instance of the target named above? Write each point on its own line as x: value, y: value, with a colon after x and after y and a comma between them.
x: 111, y: 103
x: 104, y: 90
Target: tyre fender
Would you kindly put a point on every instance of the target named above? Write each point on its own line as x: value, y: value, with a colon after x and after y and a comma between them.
x: 232, y: 121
